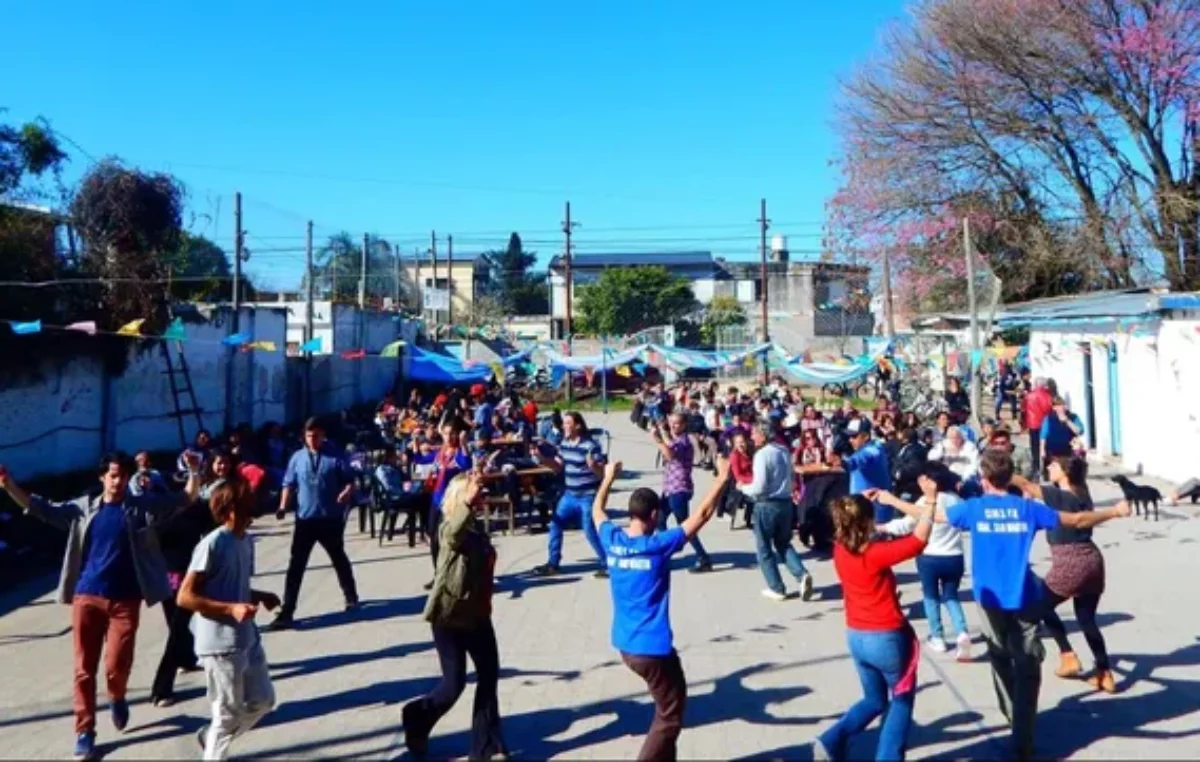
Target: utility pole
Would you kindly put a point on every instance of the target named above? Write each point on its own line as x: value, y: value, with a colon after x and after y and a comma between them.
x: 418, y: 284
x: 396, y: 278
x: 568, y: 228
x: 308, y: 315
x: 889, y: 319
x: 238, y: 244
x: 433, y: 256
x: 450, y: 281
x: 972, y: 307
x: 362, y: 274
x: 764, y: 225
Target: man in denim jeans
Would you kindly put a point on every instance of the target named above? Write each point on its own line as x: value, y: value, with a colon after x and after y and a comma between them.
x: 771, y: 491
x: 581, y: 462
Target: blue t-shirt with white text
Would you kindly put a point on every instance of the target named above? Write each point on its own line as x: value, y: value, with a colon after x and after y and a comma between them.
x: 639, y: 570
x: 1002, y: 529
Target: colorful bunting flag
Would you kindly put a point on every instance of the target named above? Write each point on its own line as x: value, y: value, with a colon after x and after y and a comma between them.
x: 976, y: 358
x: 86, y: 326
x: 312, y: 345
x: 589, y: 373
x: 354, y: 354
x: 262, y: 346
x: 497, y: 371
x: 233, y: 340
x: 639, y: 367
x: 175, y: 331
x: 132, y: 328
x: 624, y: 372
x: 24, y: 329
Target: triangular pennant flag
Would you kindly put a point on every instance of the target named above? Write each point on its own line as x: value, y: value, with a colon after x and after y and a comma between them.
x: 175, y: 331
x: 312, y: 345
x: 639, y: 367
x: 497, y: 371
x: 236, y: 340
x: 589, y: 373
x: 393, y: 349
x: 86, y: 326
x: 132, y: 328
x: 354, y: 354
x: 264, y: 346
x: 624, y: 372
x: 24, y: 329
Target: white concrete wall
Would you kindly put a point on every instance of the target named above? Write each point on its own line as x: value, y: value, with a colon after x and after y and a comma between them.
x: 54, y: 420
x: 1158, y: 373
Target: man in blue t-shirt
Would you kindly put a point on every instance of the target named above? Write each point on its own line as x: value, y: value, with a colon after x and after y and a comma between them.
x: 1002, y: 527
x: 868, y: 466
x: 639, y: 564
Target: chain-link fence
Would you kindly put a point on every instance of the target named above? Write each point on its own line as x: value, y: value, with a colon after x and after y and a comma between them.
x: 738, y: 338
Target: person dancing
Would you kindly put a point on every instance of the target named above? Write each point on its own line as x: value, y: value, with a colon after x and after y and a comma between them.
x: 1076, y: 569
x: 459, y: 610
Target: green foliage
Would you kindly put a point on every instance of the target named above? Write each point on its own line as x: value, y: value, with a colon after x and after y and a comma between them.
x: 517, y: 291
x: 721, y: 312
x: 629, y: 299
x: 198, y: 258
x: 26, y: 151
x: 337, y: 269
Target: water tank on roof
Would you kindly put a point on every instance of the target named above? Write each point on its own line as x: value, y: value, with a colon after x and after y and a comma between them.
x: 779, y: 249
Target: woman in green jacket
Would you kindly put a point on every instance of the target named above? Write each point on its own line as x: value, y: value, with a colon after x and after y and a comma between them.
x: 459, y: 609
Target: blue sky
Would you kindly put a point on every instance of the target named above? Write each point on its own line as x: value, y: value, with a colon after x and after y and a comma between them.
x: 663, y: 122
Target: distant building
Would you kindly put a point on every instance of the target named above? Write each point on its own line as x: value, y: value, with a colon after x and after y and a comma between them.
x: 805, y: 300
x: 464, y: 278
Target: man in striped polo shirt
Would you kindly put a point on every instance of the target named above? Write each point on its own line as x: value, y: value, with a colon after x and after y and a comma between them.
x: 581, y: 462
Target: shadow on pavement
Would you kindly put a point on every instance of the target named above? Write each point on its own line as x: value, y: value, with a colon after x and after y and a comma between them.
x: 1080, y: 721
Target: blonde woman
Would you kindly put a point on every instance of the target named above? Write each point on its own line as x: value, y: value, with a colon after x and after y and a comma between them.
x: 459, y: 609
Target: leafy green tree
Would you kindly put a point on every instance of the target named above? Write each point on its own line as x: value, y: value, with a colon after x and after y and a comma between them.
x: 629, y: 299
x: 517, y: 291
x: 199, y: 270
x: 337, y: 268
x: 721, y: 312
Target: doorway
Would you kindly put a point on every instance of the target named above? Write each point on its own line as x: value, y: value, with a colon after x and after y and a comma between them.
x: 1114, y: 399
x: 1089, y: 396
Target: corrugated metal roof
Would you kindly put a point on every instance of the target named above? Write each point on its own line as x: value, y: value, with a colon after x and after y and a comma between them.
x: 671, y: 259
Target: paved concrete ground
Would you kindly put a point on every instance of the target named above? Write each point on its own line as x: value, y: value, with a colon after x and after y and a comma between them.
x: 764, y: 677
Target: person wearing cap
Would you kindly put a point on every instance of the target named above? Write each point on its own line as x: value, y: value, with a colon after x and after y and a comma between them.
x: 868, y: 466
x: 323, y: 485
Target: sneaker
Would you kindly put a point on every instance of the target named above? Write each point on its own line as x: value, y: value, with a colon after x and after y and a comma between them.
x: 936, y: 644
x: 202, y: 737
x: 806, y: 587
x: 120, y: 714
x: 963, y: 652
x: 702, y: 566
x: 546, y: 570
x: 282, y: 622
x: 163, y: 702
x: 85, y: 746
x: 771, y: 595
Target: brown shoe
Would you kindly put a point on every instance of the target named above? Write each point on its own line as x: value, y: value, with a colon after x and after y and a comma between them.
x: 1103, y: 680
x: 1068, y: 666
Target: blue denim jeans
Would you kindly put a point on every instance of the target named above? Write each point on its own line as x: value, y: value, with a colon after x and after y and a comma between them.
x: 881, y: 659
x: 677, y: 505
x: 773, y: 521
x: 572, y: 505
x: 940, y: 578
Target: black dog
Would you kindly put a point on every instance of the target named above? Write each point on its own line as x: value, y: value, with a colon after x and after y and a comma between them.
x: 1139, y: 496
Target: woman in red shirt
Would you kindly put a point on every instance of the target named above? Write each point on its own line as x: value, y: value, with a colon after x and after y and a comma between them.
x: 882, y: 643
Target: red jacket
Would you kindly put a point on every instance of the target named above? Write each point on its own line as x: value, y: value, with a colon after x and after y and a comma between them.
x: 742, y: 467
x: 1038, y: 405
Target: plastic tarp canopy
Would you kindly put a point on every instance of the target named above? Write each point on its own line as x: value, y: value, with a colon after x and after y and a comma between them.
x: 436, y: 368
x: 821, y: 373
x: 694, y: 359
x: 518, y: 357
x: 609, y: 359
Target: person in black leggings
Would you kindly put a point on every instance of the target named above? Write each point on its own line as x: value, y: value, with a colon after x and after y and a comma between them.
x: 1076, y: 569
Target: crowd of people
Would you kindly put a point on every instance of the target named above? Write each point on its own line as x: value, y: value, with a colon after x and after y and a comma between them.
x: 876, y: 487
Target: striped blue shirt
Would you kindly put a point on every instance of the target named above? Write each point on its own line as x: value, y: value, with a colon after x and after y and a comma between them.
x: 578, y: 478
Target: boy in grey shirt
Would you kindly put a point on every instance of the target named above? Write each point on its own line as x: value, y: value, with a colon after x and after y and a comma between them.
x: 217, y: 588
